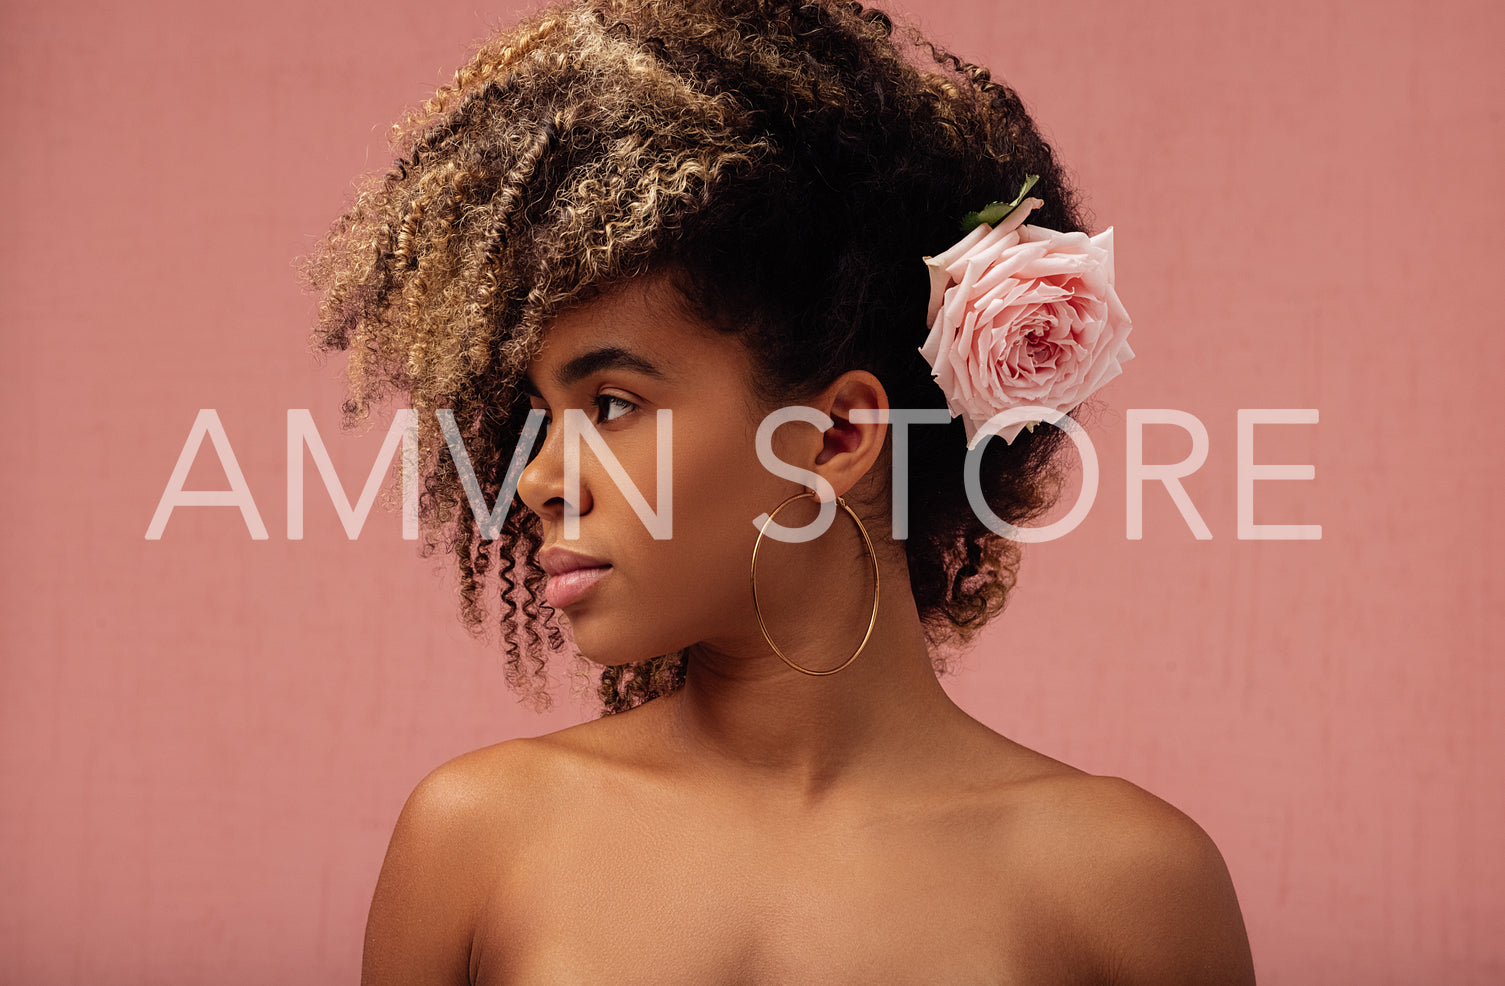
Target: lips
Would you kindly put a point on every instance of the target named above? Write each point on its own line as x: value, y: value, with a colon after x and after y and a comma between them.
x: 571, y: 575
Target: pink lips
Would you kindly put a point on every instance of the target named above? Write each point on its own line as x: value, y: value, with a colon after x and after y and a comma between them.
x: 562, y: 590
x: 571, y: 575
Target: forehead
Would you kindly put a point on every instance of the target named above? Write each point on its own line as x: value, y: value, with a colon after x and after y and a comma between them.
x: 642, y: 327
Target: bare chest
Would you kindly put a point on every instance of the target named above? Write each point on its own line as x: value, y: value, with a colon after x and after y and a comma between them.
x: 715, y: 901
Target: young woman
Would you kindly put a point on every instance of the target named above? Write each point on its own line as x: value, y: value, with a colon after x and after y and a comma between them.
x: 629, y: 238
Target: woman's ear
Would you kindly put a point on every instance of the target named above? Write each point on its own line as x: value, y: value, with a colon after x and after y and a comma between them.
x: 850, y: 447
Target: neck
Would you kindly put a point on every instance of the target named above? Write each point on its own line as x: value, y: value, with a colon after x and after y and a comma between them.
x: 745, y: 712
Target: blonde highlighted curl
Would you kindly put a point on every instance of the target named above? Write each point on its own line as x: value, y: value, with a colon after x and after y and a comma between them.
x: 787, y: 163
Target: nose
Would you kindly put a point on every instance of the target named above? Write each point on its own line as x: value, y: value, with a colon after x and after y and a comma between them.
x: 541, y: 486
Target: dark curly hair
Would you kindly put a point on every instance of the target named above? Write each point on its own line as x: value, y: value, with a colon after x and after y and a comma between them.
x: 786, y: 162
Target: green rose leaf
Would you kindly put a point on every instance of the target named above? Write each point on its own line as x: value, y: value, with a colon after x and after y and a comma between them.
x: 995, y: 212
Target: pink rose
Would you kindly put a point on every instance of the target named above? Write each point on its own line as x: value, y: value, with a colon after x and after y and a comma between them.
x: 1021, y: 315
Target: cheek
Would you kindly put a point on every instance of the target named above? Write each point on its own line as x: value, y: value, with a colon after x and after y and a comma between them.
x: 719, y: 487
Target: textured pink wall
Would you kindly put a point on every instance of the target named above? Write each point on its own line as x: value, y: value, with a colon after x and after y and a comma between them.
x: 204, y: 739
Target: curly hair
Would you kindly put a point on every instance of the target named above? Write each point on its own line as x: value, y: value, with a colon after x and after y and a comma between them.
x: 786, y: 162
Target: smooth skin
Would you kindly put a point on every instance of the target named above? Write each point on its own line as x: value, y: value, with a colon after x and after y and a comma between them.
x: 762, y: 826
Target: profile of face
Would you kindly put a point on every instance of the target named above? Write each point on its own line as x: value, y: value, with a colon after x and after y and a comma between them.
x: 619, y: 359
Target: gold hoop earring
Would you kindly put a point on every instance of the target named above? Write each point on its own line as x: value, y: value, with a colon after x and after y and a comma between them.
x: 872, y: 556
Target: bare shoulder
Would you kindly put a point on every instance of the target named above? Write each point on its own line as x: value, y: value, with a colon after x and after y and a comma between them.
x: 480, y: 786
x: 506, y: 783
x: 1149, y: 891
x: 447, y: 849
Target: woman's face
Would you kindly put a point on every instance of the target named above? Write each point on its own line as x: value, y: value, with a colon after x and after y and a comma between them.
x: 620, y: 359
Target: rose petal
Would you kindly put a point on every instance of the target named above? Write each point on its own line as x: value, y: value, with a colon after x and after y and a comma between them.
x: 939, y: 279
x: 956, y: 250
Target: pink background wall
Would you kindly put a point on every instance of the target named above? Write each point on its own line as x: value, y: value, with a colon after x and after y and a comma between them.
x: 205, y: 739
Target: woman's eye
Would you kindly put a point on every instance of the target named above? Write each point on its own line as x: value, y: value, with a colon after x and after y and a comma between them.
x: 611, y: 407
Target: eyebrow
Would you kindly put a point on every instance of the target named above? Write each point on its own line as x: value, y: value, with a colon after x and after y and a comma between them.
x: 596, y: 360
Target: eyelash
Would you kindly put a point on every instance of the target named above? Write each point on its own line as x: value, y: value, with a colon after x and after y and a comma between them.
x: 604, y: 403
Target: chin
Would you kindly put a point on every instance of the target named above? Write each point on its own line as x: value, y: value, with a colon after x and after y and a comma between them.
x: 612, y: 642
